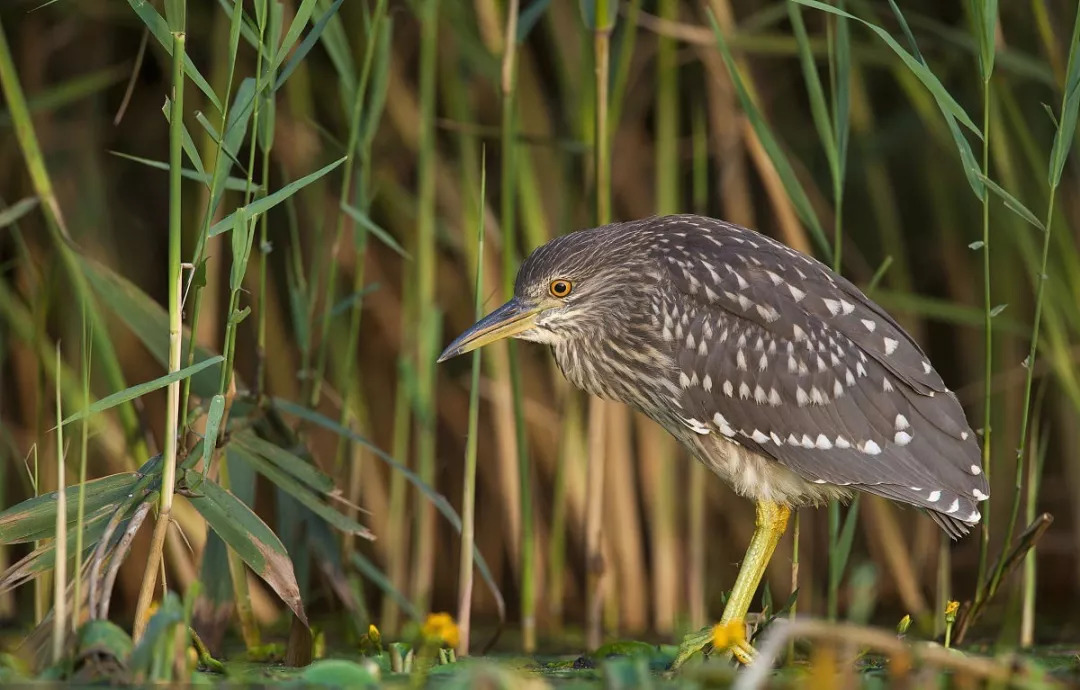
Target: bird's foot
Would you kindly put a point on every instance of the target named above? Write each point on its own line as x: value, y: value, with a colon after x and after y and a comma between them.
x: 727, y: 637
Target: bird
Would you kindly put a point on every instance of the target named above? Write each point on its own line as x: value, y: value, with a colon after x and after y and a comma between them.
x: 773, y: 370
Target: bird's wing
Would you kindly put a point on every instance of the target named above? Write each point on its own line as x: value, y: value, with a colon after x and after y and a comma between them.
x: 779, y: 353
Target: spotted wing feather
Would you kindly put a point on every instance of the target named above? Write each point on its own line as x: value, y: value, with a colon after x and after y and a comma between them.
x: 780, y: 354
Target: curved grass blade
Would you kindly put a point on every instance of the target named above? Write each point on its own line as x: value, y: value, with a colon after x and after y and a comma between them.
x: 920, y: 70
x: 255, y: 543
x: 307, y: 473
x: 306, y: 45
x: 290, y: 485
x: 147, y: 320
x: 232, y: 183
x: 269, y: 201
x: 142, y: 389
x: 779, y: 159
x: 160, y: 30
x: 372, y: 227
x: 1066, y: 131
x: 20, y: 208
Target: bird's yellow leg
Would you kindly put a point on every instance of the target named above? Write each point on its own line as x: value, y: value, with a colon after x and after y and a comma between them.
x: 771, y: 522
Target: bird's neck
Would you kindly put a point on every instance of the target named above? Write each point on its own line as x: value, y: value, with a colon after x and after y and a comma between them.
x: 620, y: 361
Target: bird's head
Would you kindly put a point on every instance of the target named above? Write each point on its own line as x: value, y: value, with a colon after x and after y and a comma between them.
x: 576, y: 286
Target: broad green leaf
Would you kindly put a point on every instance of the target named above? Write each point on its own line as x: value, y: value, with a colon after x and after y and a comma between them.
x: 233, y: 183
x: 43, y: 559
x: 792, y: 186
x: 35, y: 518
x: 147, y: 320
x: 142, y: 389
x: 20, y: 208
x: 236, y: 127
x: 923, y: 73
x: 309, y: 474
x: 307, y: 44
x: 436, y: 499
x: 159, y: 29
x: 271, y: 200
x: 255, y: 543
x: 1063, y: 138
x: 370, y: 225
x: 290, y: 485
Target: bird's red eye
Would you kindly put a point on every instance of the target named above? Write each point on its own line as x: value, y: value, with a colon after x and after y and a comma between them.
x: 560, y: 288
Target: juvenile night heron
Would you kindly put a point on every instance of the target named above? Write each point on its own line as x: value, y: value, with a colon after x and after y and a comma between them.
x: 777, y: 373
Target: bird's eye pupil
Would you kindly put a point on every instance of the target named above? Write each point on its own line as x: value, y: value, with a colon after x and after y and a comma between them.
x: 560, y: 288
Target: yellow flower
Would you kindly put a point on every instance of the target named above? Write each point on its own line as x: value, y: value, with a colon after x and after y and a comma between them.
x: 441, y: 627
x: 374, y: 635
x: 950, y: 610
x: 727, y: 635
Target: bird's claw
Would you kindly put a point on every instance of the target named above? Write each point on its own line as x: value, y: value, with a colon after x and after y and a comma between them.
x: 727, y: 637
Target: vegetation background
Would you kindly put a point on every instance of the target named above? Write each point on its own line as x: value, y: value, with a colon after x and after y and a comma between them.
x: 360, y: 276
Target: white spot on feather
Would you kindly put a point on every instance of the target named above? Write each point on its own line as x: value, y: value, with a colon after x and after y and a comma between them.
x: 902, y: 438
x: 934, y: 496
x: 979, y: 496
x: 890, y: 346
x: 976, y: 470
x: 796, y: 293
x: 870, y: 448
x: 823, y: 442
x: 832, y: 305
x: 953, y: 507
x: 870, y: 325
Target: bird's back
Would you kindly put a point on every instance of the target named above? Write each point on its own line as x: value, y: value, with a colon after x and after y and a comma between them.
x: 778, y: 371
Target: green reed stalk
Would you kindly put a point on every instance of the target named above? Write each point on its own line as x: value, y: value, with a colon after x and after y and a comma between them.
x: 355, y: 194
x: 346, y: 194
x: 84, y: 442
x: 427, y: 315
x: 699, y: 474
x: 60, y: 568
x: 211, y: 206
x: 985, y: 27
x: 468, y: 498
x: 508, y: 220
x: 594, y: 483
x: 172, y: 406
x: 1059, y: 155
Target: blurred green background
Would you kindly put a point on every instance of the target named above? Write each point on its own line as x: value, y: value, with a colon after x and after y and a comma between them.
x: 350, y: 306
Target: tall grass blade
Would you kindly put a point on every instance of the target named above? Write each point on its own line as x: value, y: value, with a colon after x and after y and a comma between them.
x: 468, y: 499
x: 264, y: 204
x: 12, y: 214
x: 779, y: 159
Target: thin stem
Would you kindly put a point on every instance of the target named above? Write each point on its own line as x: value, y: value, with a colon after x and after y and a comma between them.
x: 508, y: 219
x: 468, y: 498
x: 1029, y: 363
x: 84, y: 442
x: 594, y: 481
x: 984, y: 536
x: 172, y: 405
x: 60, y: 569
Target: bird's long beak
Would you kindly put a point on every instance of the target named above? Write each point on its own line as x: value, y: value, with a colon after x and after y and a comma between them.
x: 508, y: 320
